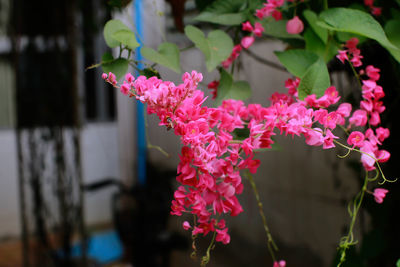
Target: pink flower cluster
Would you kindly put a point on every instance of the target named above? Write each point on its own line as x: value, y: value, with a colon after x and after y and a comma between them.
x: 271, y: 8
x: 246, y: 41
x: 281, y: 263
x: 211, y: 159
x: 376, y: 11
x: 352, y: 54
x: 369, y: 113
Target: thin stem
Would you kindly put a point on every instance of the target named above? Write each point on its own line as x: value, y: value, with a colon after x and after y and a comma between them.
x: 270, y: 242
x: 356, y: 75
x: 206, y: 258
x: 265, y: 61
x: 186, y: 48
x: 325, y: 4
x: 149, y: 145
x: 348, y: 240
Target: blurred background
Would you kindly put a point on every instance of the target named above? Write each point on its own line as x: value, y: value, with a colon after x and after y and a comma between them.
x: 73, y: 189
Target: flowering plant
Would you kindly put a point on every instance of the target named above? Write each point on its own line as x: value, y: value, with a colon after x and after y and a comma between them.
x: 213, y: 160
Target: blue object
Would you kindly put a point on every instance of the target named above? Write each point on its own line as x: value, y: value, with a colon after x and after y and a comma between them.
x: 140, y: 123
x: 104, y: 247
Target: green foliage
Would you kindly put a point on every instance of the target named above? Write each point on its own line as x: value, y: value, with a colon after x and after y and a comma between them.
x: 315, y: 44
x: 315, y: 81
x: 278, y: 29
x: 111, y: 27
x: 167, y: 55
x: 297, y: 61
x: 398, y: 263
x: 229, y: 89
x: 202, y: 4
x: 354, y: 21
x: 127, y: 38
x: 216, y: 47
x: 392, y: 29
x: 226, y: 6
x: 149, y: 72
x: 117, y: 66
x: 309, y: 67
x: 229, y: 12
x: 223, y: 19
x: 312, y: 19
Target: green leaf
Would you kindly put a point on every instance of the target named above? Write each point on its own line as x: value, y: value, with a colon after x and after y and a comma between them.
x: 395, y: 13
x: 392, y: 29
x: 216, y: 47
x: 297, y: 61
x: 111, y: 27
x: 117, y: 66
x: 202, y: 4
x: 167, y: 55
x: 225, y: 6
x: 345, y: 36
x: 278, y: 29
x: 126, y: 37
x: 150, y: 72
x: 223, y: 19
x: 315, y: 44
x: 229, y: 89
x: 398, y: 263
x: 315, y: 81
x: 312, y: 19
x: 106, y: 57
x: 354, y: 21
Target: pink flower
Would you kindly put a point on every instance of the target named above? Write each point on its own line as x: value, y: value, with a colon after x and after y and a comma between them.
x: 125, y: 88
x: 352, y: 43
x: 314, y: 137
x: 359, y: 118
x: 246, y: 26
x: 186, y: 225
x: 277, y: 15
x: 382, y: 155
x: 376, y: 11
x: 369, y: 3
x: 342, y: 56
x: 281, y: 263
x: 356, y: 138
x: 294, y: 26
x: 213, y: 86
x: 104, y: 76
x: 223, y: 236
x: 379, y: 194
x: 328, y: 140
x: 372, y: 72
x: 247, y: 41
x: 382, y: 133
x: 344, y: 109
x: 258, y: 30
x: 368, y: 157
x: 129, y: 77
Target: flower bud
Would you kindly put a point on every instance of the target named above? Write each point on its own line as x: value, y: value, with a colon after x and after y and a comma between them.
x: 294, y: 26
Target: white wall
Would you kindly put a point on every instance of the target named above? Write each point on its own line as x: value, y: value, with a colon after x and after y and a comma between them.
x: 9, y: 205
